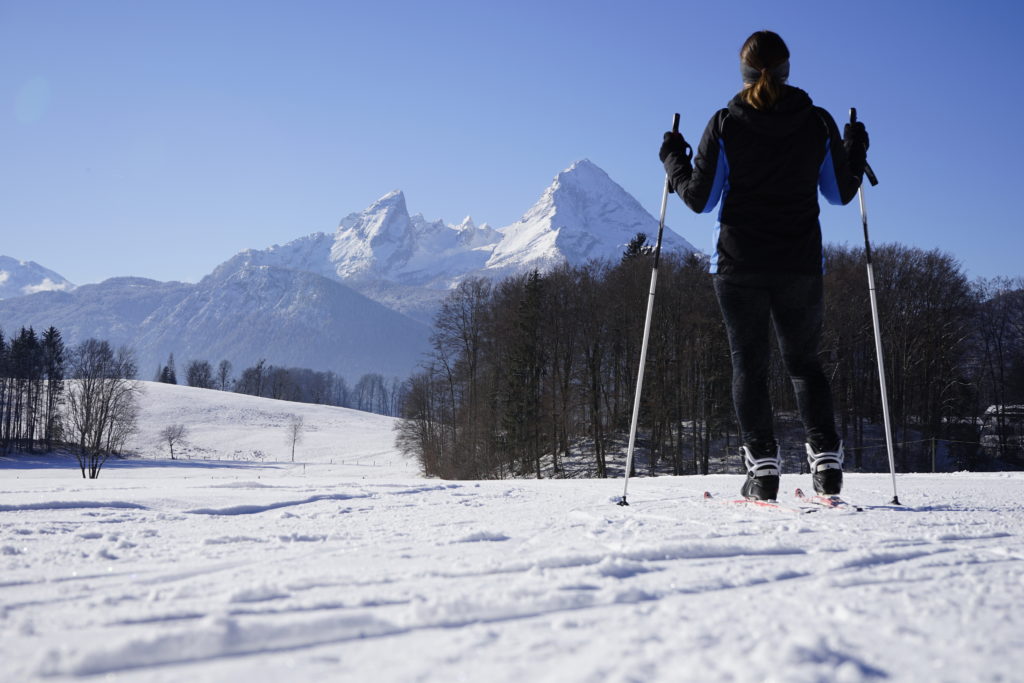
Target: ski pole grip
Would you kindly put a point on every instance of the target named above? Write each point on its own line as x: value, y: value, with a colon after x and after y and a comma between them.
x: 668, y: 185
x: 872, y: 178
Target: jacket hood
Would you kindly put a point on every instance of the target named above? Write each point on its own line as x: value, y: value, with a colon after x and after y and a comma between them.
x: 789, y: 113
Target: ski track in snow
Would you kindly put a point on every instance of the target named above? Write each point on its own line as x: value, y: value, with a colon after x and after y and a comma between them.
x: 219, y: 576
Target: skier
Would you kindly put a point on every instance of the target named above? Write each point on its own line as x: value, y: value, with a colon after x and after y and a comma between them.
x: 765, y: 156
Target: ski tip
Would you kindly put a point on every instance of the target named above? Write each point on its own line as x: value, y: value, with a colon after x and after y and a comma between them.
x: 799, y: 493
x: 707, y: 495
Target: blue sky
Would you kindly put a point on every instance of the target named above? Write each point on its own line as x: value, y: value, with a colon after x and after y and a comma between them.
x: 159, y: 138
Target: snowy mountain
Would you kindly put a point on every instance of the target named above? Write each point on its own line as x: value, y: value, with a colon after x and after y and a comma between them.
x: 409, y: 264
x: 404, y: 262
x: 113, y: 310
x: 358, y: 300
x: 582, y: 215
x: 384, y: 241
x: 18, y: 278
x: 290, y: 318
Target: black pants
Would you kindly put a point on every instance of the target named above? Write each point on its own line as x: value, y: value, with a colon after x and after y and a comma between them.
x: 794, y: 303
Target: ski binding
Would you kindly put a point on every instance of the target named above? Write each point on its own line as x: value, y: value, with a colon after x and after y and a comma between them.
x: 833, y: 502
x: 771, y: 504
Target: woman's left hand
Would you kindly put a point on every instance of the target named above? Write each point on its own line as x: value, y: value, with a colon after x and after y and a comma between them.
x: 674, y: 144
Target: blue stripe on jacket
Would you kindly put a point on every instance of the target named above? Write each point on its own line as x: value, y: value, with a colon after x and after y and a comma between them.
x: 827, y: 181
x: 719, y: 191
x: 720, y: 185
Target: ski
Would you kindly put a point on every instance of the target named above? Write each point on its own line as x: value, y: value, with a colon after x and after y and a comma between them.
x: 831, y: 502
x: 770, y: 504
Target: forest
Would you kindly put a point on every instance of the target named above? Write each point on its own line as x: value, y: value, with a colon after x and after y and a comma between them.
x: 536, y: 371
x: 372, y: 393
x: 53, y: 396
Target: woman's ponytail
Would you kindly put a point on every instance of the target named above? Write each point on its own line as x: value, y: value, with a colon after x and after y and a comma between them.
x: 764, y: 62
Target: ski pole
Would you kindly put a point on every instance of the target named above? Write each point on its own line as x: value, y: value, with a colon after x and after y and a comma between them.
x: 647, y: 329
x: 874, y: 319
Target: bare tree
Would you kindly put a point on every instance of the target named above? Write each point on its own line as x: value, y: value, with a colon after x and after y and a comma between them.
x: 102, y: 404
x: 173, y: 434
x: 252, y: 380
x: 224, y: 375
x: 296, y: 425
x: 199, y: 373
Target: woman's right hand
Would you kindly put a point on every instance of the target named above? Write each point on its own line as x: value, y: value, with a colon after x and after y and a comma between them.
x: 856, y: 143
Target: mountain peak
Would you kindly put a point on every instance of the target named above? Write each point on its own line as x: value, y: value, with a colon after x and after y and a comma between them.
x: 583, y: 214
x: 386, y: 220
x: 18, y: 278
x: 583, y: 166
x: 410, y: 262
x: 374, y: 239
x: 394, y: 198
x: 586, y: 174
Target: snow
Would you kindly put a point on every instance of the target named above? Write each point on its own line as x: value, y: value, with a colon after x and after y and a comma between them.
x: 375, y: 239
x: 243, y: 314
x: 409, y: 263
x: 19, y: 278
x: 227, y: 426
x: 47, y: 285
x: 346, y: 565
x: 382, y: 276
x: 582, y: 215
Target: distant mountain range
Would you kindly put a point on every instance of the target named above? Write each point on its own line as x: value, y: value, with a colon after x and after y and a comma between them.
x: 354, y: 301
x: 409, y: 264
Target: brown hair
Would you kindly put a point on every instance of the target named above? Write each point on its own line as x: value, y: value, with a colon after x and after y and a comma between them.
x: 763, y: 50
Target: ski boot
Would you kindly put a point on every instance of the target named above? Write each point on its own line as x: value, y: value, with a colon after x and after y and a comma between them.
x: 826, y: 470
x: 762, y: 482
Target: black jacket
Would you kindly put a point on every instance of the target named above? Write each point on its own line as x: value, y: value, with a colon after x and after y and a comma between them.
x: 767, y: 168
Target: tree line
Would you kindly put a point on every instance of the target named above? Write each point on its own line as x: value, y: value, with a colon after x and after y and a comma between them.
x: 83, y: 397
x: 527, y: 371
x: 372, y: 393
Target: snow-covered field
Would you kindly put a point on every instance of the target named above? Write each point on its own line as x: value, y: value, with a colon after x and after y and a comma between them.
x: 249, y: 430
x: 345, y: 565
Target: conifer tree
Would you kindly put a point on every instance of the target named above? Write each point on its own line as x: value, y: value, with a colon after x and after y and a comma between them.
x: 167, y: 374
x: 54, y: 368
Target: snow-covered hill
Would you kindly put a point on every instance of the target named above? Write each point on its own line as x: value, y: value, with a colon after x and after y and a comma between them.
x: 18, y: 278
x: 224, y: 426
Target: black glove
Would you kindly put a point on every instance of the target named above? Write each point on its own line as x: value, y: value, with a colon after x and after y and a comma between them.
x: 674, y: 144
x: 856, y: 143
x: 675, y: 153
